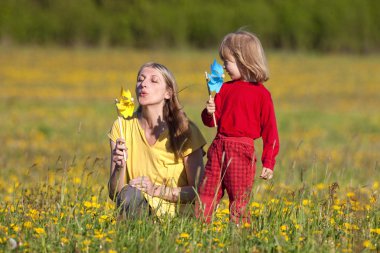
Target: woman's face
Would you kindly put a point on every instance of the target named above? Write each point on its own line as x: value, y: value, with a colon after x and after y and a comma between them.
x: 231, y: 67
x: 151, y: 87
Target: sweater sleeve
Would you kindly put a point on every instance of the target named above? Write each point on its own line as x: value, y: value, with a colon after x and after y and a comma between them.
x: 207, y: 119
x: 269, y: 134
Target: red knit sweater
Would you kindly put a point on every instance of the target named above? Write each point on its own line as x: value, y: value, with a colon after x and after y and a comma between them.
x: 245, y: 109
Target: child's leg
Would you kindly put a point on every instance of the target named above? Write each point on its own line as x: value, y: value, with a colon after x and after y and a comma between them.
x: 210, y: 189
x: 239, y: 178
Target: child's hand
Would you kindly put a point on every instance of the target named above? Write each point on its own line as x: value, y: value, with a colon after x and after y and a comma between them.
x: 266, y: 174
x: 210, y: 105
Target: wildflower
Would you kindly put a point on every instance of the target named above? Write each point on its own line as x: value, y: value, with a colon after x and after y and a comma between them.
x: 349, y: 226
x: 184, y: 235
x: 368, y: 244
x: 87, y: 204
x: 86, y: 242
x: 64, y: 240
x: 246, y: 225
x: 305, y: 202
x: 76, y: 180
x: 27, y: 224
x: 375, y: 185
x: 15, y: 227
x: 321, y: 186
x: 39, y: 231
x: 255, y: 204
x: 336, y: 207
x: 112, y: 251
x: 350, y: 194
x: 375, y: 230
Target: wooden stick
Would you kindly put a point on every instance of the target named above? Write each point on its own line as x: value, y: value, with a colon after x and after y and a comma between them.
x: 121, y: 129
x: 209, y: 92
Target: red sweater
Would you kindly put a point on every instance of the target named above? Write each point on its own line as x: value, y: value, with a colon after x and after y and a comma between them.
x: 246, y: 109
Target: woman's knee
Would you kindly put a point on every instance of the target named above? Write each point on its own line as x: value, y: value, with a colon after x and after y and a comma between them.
x: 131, y: 201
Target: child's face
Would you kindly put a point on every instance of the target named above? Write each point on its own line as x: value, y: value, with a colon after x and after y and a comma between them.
x: 231, y: 67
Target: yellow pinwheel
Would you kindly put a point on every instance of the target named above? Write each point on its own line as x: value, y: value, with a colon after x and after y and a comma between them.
x: 125, y: 105
x: 125, y: 108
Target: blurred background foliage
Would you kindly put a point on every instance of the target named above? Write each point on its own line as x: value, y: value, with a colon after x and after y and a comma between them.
x: 319, y: 25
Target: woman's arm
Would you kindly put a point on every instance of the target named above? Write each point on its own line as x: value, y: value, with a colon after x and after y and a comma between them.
x: 117, y: 168
x: 194, y: 170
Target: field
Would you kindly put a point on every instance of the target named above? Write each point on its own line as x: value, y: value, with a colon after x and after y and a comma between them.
x: 56, y: 107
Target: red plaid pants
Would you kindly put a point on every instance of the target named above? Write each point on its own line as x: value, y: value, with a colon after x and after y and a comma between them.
x: 231, y: 166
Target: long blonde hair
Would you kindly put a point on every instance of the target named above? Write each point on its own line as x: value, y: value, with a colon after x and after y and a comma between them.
x: 248, y: 52
x: 175, y: 118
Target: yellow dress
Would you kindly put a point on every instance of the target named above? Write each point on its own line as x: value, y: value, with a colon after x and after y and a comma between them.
x: 157, y: 161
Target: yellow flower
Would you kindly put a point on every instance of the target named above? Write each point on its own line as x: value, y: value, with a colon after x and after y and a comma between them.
x: 335, y: 207
x: 375, y: 185
x: 87, y: 204
x: 305, y: 202
x: 184, y: 235
x: 27, y: 224
x: 125, y: 106
x: 255, y: 204
x: 112, y: 251
x: 16, y: 228
x: 350, y: 194
x: 39, y: 231
x: 375, y: 230
x: 86, y: 242
x: 368, y: 244
x: 64, y: 240
x: 76, y: 180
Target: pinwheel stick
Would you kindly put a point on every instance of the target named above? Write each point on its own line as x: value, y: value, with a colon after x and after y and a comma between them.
x: 209, y: 92
x: 121, y: 127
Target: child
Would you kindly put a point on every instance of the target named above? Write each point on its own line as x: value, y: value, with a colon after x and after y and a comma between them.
x: 244, y: 112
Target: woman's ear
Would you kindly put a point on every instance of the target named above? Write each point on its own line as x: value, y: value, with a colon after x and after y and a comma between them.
x: 168, y: 93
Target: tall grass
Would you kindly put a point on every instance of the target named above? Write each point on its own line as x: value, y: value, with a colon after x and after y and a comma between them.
x: 56, y: 107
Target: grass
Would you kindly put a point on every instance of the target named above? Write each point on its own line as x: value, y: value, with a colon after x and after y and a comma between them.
x: 56, y: 108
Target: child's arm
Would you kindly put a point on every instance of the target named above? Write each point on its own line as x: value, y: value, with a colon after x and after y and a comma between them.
x: 269, y: 134
x: 207, y: 113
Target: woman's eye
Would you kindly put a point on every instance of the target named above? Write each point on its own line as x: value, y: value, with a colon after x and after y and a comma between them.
x: 140, y: 79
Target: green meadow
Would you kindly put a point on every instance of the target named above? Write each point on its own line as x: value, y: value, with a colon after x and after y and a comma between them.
x: 57, y: 106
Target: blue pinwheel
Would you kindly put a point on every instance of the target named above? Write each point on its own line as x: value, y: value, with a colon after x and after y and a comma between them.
x: 215, y: 79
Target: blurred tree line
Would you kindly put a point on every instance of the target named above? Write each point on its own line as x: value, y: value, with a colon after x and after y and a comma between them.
x: 322, y: 25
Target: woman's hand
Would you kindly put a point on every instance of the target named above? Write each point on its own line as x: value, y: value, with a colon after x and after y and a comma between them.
x: 266, y: 174
x: 144, y: 184
x: 118, y: 153
x: 210, y: 106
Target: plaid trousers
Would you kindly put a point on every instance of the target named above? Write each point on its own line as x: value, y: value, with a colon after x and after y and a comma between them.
x: 231, y: 166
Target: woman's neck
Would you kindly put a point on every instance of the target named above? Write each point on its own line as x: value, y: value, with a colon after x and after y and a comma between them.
x: 151, y: 117
x: 152, y: 122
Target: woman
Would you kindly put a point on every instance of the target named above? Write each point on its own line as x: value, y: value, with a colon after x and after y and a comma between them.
x: 163, y: 149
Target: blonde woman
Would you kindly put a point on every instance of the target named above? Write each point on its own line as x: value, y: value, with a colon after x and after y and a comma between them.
x: 164, y: 150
